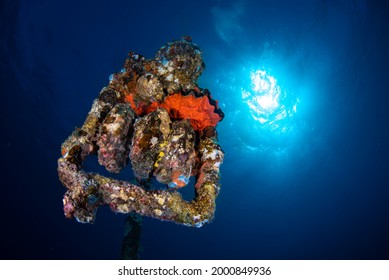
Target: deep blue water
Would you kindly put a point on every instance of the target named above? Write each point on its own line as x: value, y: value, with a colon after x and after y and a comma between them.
x: 309, y: 182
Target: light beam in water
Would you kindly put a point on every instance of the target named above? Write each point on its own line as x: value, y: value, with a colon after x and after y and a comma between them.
x: 267, y: 102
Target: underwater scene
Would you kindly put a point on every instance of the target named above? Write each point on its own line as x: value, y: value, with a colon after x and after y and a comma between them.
x: 234, y: 129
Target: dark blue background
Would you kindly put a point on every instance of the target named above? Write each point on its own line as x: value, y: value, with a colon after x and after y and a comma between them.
x: 320, y: 195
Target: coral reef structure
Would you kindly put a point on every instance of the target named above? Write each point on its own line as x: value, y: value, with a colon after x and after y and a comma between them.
x: 154, y: 115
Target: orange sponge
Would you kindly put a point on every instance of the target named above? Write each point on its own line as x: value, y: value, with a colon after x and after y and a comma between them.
x: 197, y: 109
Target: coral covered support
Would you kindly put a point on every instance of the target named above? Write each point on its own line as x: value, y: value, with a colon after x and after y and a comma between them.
x: 153, y: 114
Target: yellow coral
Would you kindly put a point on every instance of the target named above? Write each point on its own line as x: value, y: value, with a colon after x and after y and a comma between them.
x: 160, y: 156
